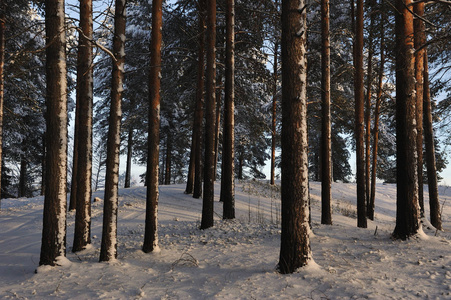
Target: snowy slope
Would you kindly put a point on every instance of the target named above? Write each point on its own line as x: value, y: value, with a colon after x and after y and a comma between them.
x: 235, y: 259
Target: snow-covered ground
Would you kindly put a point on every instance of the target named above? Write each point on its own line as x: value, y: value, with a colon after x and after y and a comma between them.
x: 235, y: 259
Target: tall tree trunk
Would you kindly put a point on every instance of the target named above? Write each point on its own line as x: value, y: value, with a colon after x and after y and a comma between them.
x: 167, y: 172
x: 369, y: 85
x: 43, y: 164
x: 2, y: 93
x: 370, y: 207
x: 359, y: 116
x: 55, y: 200
x: 407, y: 211
x: 23, y: 176
x: 434, y: 204
x: 151, y: 232
x: 228, y: 149
x: 218, y: 120
x: 295, y: 246
x: 128, y: 169
x: 209, y: 161
x: 326, y: 149
x: 419, y: 41
x: 82, y: 236
x: 73, y: 184
x: 108, y: 250
x: 199, y: 113
x: 274, y: 115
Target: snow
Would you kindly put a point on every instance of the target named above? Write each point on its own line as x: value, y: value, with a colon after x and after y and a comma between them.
x: 235, y: 259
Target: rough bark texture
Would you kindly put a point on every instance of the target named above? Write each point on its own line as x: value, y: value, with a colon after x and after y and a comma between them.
x: 370, y: 207
x: 359, y: 116
x: 82, y: 236
x: 295, y: 247
x: 209, y: 161
x: 151, y: 232
x: 199, y: 113
x: 407, y: 212
x: 55, y: 201
x: 2, y: 63
x: 128, y: 169
x: 108, y: 250
x: 326, y: 149
x: 274, y: 115
x: 420, y: 40
x: 434, y: 204
x: 228, y: 152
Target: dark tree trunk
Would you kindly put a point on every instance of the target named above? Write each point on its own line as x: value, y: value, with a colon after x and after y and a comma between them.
x: 167, y: 172
x: 55, y: 201
x: 274, y: 115
x: 151, y: 233
x: 23, y: 176
x: 2, y: 93
x: 359, y: 116
x: 295, y: 246
x: 419, y: 41
x: 43, y: 164
x: 407, y: 211
x: 326, y: 149
x: 199, y: 113
x: 228, y: 152
x: 434, y: 204
x: 370, y: 207
x: 128, y: 169
x: 108, y: 250
x: 82, y: 236
x: 209, y: 161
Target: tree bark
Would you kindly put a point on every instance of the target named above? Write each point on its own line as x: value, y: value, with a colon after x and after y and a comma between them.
x: 209, y: 161
x: 151, y: 227
x: 326, y: 149
x: 2, y: 92
x: 108, y: 250
x: 434, y: 204
x: 128, y: 169
x: 274, y: 115
x: 199, y: 113
x: 407, y: 211
x: 218, y: 120
x: 228, y: 149
x: 73, y: 184
x: 359, y: 116
x: 82, y: 236
x: 55, y: 200
x: 295, y: 246
x: 419, y: 41
x: 377, y: 109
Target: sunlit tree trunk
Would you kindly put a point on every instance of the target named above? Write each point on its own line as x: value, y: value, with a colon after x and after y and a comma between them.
x: 434, y: 204
x: 55, y: 200
x: 108, y: 250
x: 359, y: 116
x: 407, y: 211
x: 209, y: 161
x: 228, y: 149
x: 295, y: 246
x: 326, y: 149
x: 82, y: 236
x: 151, y: 228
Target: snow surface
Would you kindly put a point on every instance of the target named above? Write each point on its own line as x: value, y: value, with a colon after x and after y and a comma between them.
x: 234, y: 259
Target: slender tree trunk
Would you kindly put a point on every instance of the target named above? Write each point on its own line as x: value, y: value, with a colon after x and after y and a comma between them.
x: 228, y: 152
x: 434, y: 204
x: 295, y: 246
x: 274, y: 115
x: 199, y: 113
x: 108, y: 250
x: 55, y: 200
x: 23, y: 176
x: 218, y: 120
x: 209, y: 161
x: 359, y: 116
x: 191, y: 171
x: 73, y: 184
x: 151, y: 232
x: 369, y: 85
x: 407, y: 211
x: 420, y: 40
x: 128, y: 169
x: 43, y: 164
x: 167, y: 172
x: 82, y: 236
x: 2, y: 93
x: 326, y: 149
x: 370, y: 207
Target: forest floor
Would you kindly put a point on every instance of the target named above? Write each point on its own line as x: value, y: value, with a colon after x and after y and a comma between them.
x: 234, y: 259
